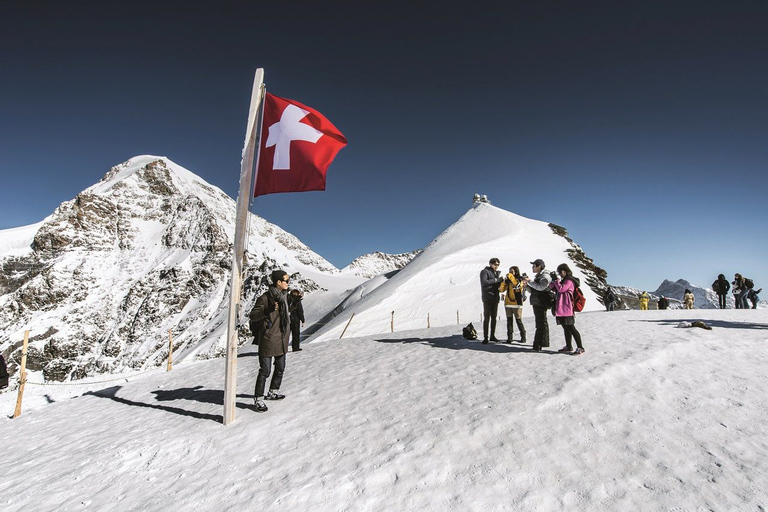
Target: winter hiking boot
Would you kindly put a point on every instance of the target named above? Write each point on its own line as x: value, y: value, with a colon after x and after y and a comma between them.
x: 485, y: 341
x: 494, y: 339
x: 259, y: 405
x: 273, y: 396
x: 566, y: 349
x: 578, y: 351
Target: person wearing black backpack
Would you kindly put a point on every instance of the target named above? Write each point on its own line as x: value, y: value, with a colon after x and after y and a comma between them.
x: 721, y: 287
x: 541, y: 301
x: 271, y: 320
x: 565, y: 284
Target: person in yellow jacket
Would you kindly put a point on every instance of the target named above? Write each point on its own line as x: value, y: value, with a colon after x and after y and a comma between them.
x: 513, y: 292
x: 644, y: 299
x: 688, y: 299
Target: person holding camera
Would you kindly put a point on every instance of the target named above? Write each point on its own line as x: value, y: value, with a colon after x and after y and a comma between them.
x: 512, y: 287
x: 565, y: 284
x: 540, y: 301
x: 490, y: 279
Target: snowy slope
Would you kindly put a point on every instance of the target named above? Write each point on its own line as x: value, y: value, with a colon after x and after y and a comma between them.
x: 651, y: 417
x: 101, y: 281
x: 444, y: 279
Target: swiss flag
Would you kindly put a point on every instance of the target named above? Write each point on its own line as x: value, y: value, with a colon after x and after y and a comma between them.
x: 297, y: 145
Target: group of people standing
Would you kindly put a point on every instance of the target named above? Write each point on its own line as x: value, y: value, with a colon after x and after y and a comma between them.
x: 547, y: 290
x: 743, y: 290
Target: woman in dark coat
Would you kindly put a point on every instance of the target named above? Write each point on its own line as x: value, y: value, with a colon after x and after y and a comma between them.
x: 721, y: 286
x: 271, y: 321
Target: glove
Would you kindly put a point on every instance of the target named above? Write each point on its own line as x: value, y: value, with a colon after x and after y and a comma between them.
x: 553, y: 276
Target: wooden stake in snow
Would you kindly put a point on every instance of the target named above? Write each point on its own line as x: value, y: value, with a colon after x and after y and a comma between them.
x: 345, y: 327
x: 392, y: 323
x: 252, y: 136
x: 428, y: 321
x: 458, y: 322
x: 170, y: 351
x: 22, y: 375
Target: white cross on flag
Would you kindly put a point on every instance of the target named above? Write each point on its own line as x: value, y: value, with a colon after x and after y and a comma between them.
x: 298, y: 148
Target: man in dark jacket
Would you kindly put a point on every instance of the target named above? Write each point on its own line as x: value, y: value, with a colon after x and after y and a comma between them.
x: 297, y: 318
x: 490, y: 279
x: 541, y: 302
x: 271, y: 318
x: 663, y: 302
x: 721, y: 286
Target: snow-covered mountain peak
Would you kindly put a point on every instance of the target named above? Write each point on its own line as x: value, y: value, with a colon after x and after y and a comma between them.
x: 441, y: 286
x: 101, y: 281
x: 377, y: 263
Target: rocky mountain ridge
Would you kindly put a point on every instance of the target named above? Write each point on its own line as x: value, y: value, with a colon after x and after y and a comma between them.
x: 377, y: 263
x: 146, y: 250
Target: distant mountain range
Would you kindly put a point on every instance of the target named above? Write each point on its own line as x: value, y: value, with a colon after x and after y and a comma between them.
x: 705, y: 298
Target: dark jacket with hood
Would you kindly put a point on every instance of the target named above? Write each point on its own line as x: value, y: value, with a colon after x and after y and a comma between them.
x: 272, y: 326
x: 296, y: 309
x: 489, y: 284
x: 721, y: 285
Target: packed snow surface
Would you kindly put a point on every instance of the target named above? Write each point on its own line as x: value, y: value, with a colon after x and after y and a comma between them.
x: 651, y: 417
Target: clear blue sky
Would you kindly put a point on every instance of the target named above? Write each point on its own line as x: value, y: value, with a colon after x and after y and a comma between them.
x: 641, y: 126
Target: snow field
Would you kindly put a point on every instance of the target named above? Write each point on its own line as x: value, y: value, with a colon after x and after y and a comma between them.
x: 652, y: 417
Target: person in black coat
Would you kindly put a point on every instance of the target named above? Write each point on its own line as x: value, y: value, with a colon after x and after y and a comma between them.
x: 721, y: 286
x: 297, y: 318
x: 490, y: 279
x: 269, y: 320
x: 541, y: 303
x: 663, y: 302
x: 3, y: 373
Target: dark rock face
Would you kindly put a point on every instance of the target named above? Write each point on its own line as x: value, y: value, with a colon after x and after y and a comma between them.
x: 596, y: 277
x: 144, y: 251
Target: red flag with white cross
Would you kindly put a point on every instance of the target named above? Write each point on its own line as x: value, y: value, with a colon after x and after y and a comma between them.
x: 298, y: 145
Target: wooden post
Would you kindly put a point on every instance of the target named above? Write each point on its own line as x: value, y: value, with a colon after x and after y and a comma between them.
x: 458, y: 322
x: 250, y: 153
x: 170, y: 351
x: 22, y: 375
x: 392, y: 323
x: 427, y: 320
x: 345, y: 327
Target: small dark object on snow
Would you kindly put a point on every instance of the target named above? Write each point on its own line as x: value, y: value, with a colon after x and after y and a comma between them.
x: 696, y: 323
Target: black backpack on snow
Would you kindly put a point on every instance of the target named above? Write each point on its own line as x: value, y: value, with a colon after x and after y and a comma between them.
x: 469, y: 332
x: 749, y: 283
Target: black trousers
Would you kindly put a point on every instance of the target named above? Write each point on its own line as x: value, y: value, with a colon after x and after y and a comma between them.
x: 541, y: 338
x: 490, y: 311
x: 264, y: 368
x: 295, y: 334
x: 571, y: 332
x: 721, y: 301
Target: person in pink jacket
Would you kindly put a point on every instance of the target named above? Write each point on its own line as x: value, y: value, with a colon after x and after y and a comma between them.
x: 564, y: 284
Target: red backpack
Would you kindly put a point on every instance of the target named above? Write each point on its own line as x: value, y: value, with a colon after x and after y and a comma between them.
x: 578, y: 299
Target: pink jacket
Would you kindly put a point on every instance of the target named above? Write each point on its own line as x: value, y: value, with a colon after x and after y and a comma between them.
x: 564, y: 301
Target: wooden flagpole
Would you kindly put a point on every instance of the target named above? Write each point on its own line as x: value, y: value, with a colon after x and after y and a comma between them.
x: 252, y: 135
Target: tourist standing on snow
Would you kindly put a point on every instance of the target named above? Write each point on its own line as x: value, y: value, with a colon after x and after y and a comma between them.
x: 663, y: 302
x: 752, y: 295
x: 490, y: 279
x: 644, y: 299
x: 271, y: 313
x: 721, y: 287
x: 512, y: 287
x: 739, y: 291
x: 541, y: 302
x: 564, y: 284
x: 610, y: 300
x: 688, y: 299
x: 296, y: 309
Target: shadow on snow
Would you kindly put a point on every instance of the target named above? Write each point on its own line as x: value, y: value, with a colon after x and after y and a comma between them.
x: 459, y: 343
x: 196, y: 394
x: 712, y: 323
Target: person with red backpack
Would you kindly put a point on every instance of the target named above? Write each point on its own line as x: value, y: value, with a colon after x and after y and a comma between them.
x: 566, y: 287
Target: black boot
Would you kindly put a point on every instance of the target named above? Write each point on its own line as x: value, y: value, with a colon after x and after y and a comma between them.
x: 521, y: 328
x: 510, y: 329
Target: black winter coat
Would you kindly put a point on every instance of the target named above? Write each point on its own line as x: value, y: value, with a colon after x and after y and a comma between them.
x: 272, y: 340
x: 722, y: 286
x: 296, y: 309
x: 489, y: 284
